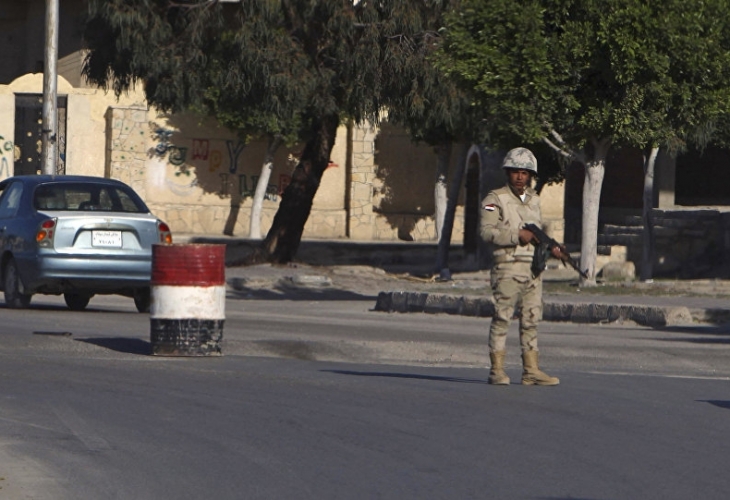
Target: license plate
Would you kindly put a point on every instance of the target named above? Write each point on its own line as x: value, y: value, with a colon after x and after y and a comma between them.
x: 108, y: 239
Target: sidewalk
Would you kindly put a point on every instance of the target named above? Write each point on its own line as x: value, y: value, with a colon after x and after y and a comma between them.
x: 397, y: 278
x: 658, y: 304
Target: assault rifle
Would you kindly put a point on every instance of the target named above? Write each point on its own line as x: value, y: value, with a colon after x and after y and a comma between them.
x: 543, y: 249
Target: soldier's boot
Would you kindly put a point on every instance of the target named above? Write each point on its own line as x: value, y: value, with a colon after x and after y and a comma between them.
x: 497, y: 376
x: 531, y: 374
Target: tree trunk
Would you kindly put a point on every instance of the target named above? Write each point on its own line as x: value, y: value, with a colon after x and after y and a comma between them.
x: 595, y: 170
x: 442, y: 258
x: 647, y: 236
x: 439, y: 193
x: 282, y: 241
x: 263, y: 182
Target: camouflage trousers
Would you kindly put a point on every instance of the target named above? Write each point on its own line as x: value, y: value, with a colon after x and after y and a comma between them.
x: 514, y: 287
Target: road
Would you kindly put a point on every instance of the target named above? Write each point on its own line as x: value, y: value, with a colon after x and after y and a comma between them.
x: 300, y: 406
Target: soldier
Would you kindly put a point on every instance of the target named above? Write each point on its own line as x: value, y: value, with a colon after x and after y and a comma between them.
x: 504, y: 213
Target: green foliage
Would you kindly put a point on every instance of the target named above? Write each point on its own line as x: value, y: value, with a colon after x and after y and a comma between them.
x: 499, y: 52
x: 258, y: 66
x: 422, y: 98
x: 639, y: 73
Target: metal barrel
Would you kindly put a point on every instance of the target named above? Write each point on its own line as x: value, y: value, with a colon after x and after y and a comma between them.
x: 188, y: 299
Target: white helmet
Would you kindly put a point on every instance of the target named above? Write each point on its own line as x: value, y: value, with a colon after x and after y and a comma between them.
x: 520, y: 158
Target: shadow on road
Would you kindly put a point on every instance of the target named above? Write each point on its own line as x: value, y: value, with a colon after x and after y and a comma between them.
x: 701, y: 334
x: 286, y: 293
x: 91, y: 309
x: 700, y: 329
x: 122, y: 344
x: 719, y: 403
x: 698, y: 340
x: 408, y: 375
x: 565, y: 498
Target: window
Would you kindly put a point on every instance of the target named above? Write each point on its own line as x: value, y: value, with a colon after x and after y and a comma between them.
x: 87, y: 197
x: 10, y: 200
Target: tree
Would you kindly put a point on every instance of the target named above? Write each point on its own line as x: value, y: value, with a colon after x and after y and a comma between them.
x: 694, y: 41
x: 434, y: 110
x: 581, y: 76
x: 308, y: 65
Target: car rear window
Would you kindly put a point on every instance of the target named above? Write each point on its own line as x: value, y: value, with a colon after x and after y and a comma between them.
x: 87, y: 197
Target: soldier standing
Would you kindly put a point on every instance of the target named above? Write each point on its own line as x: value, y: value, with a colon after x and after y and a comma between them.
x: 504, y: 213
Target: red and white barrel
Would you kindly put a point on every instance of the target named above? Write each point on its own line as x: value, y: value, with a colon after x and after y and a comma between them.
x: 188, y: 299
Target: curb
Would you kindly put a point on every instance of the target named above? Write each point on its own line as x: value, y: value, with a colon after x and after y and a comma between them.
x: 654, y: 316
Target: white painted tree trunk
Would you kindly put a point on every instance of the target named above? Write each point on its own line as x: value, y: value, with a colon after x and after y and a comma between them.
x: 263, y: 182
x: 595, y: 170
x: 647, y: 237
x: 439, y: 193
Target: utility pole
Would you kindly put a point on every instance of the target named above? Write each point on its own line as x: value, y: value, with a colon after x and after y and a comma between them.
x: 49, y: 144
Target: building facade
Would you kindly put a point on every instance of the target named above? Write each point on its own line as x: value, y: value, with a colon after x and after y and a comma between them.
x: 200, y: 177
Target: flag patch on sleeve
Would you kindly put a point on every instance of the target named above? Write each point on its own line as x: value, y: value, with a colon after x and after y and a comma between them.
x: 489, y: 208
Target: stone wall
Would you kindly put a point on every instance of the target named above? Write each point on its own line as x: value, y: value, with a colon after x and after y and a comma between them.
x: 127, y: 147
x: 362, y: 175
x: 688, y: 243
x: 200, y: 178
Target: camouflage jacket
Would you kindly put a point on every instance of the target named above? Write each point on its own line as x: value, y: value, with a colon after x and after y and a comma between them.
x: 503, y: 213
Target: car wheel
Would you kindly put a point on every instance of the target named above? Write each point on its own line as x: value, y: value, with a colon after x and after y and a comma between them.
x: 142, y: 300
x: 14, y: 298
x: 76, y: 301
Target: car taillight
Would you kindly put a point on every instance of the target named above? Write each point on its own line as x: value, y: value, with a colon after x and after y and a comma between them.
x: 164, y: 231
x: 45, y: 233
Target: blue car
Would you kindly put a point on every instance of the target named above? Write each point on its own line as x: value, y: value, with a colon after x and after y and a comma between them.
x: 78, y: 236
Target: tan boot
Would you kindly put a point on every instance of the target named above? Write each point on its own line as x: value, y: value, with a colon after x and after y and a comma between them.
x: 531, y: 374
x: 496, y: 374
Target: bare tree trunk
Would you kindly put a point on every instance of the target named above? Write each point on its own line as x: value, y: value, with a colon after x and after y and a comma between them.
x: 647, y: 236
x: 439, y: 193
x: 230, y: 226
x: 263, y: 182
x: 595, y: 170
x: 282, y: 241
x: 442, y: 258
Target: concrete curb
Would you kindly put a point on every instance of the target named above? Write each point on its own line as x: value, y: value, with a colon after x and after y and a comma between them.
x: 654, y: 316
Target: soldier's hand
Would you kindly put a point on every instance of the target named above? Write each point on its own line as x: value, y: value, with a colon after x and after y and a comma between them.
x: 526, y: 236
x: 558, y: 252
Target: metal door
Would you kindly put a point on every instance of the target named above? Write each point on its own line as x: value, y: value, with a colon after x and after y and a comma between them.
x: 28, y: 134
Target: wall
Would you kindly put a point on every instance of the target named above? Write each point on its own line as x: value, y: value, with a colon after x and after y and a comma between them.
x: 688, y: 243
x: 7, y: 133
x: 552, y: 202
x: 403, y: 188
x: 359, y: 191
x: 200, y: 178
x: 85, y: 124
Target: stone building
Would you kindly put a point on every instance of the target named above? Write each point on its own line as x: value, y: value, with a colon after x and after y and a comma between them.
x: 200, y: 178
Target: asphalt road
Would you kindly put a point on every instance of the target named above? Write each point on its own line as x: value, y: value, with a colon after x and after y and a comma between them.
x: 301, y: 406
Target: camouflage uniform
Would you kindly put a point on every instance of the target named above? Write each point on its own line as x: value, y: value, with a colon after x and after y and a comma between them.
x: 503, y: 214
x: 513, y: 283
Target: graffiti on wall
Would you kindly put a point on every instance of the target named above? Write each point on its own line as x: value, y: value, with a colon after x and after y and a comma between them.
x: 202, y: 155
x: 7, y: 150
